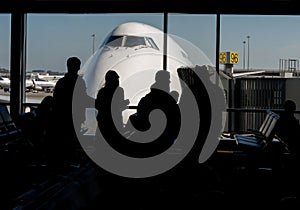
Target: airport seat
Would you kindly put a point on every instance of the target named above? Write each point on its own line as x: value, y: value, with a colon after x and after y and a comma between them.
x: 261, y: 149
x: 8, y: 121
x: 261, y: 138
x: 3, y: 132
x: 9, y: 132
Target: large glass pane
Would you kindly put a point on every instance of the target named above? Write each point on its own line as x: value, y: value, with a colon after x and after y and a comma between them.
x: 52, y: 38
x: 197, y: 35
x: 267, y: 72
x: 4, y: 58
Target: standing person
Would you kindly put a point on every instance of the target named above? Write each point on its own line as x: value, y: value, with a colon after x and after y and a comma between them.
x: 63, y: 137
x: 110, y: 102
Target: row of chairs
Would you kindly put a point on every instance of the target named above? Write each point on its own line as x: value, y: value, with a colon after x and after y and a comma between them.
x: 259, y: 139
x: 9, y: 132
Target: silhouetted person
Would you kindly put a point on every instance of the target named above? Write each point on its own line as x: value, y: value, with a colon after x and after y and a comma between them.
x: 139, y: 125
x: 109, y: 117
x: 288, y: 130
x: 110, y: 102
x: 159, y: 97
x: 63, y: 139
x: 35, y: 124
x: 287, y: 127
x: 189, y: 175
x: 43, y: 118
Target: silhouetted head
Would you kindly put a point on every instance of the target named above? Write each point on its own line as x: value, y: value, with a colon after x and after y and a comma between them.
x: 289, y: 106
x: 73, y: 65
x: 162, y: 80
x: 162, y: 76
x: 111, y: 78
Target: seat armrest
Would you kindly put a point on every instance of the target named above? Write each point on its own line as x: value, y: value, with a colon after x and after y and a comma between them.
x: 255, y: 132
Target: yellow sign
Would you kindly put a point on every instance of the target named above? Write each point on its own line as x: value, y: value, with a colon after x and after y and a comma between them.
x: 234, y: 57
x: 229, y: 58
x: 222, y: 58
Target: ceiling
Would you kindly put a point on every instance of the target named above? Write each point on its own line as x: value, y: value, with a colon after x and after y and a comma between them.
x: 268, y: 7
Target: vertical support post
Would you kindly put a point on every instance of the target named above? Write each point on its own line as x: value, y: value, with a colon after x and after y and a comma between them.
x: 17, y: 62
x: 165, y: 51
x: 218, y: 42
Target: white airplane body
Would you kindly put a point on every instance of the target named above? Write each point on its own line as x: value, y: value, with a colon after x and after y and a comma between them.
x: 42, y: 84
x: 4, y: 82
x: 136, y: 52
x: 49, y: 77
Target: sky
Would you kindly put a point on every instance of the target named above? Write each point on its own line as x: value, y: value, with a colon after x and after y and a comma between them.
x: 52, y: 38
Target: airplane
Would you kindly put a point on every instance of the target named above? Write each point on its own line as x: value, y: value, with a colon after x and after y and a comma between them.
x: 43, y: 85
x: 136, y: 50
x: 45, y: 76
x: 36, y: 84
x: 5, y: 84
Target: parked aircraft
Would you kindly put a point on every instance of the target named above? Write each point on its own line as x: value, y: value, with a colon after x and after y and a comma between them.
x: 43, y: 85
x: 45, y: 76
x: 4, y: 82
x: 30, y: 84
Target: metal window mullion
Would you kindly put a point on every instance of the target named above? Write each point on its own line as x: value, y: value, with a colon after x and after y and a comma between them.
x: 18, y: 37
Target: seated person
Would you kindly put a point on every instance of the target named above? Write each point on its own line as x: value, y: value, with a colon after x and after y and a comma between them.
x: 287, y: 127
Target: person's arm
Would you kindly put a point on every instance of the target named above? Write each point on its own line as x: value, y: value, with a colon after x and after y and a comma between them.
x: 97, y: 100
x: 124, y: 101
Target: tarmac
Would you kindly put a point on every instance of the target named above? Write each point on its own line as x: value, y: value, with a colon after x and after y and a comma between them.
x: 31, y: 97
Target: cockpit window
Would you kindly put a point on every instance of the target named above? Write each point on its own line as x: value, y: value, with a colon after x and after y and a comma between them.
x: 114, y: 41
x: 132, y: 41
x: 151, y: 43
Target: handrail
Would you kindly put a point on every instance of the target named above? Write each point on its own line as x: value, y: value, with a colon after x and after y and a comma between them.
x: 256, y: 110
